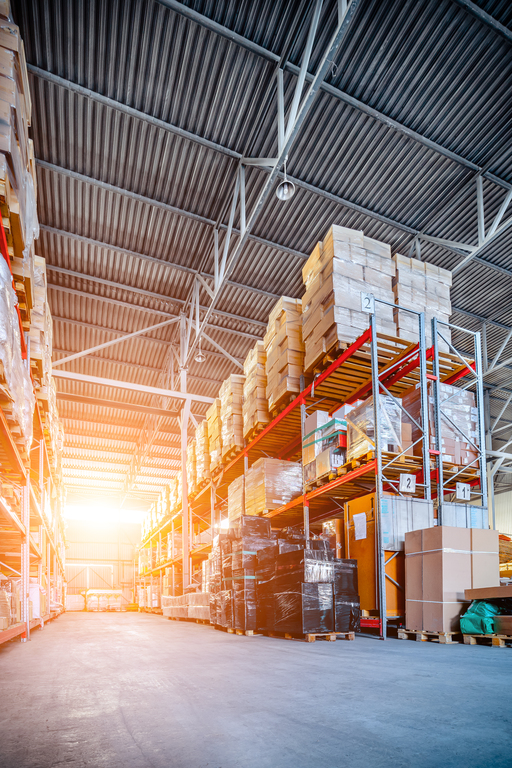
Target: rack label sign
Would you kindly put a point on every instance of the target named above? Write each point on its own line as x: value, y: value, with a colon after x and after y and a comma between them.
x: 407, y: 483
x: 368, y: 303
x: 463, y: 492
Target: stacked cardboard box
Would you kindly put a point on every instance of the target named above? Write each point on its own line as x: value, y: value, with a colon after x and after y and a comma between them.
x: 342, y: 267
x: 323, y: 445
x: 255, y: 406
x: 202, y: 453
x: 270, y: 483
x: 191, y: 467
x: 236, y: 498
x: 174, y: 494
x: 440, y: 563
x: 459, y: 417
x: 213, y: 419
x: 285, y: 351
x: 425, y: 288
x: 231, y: 398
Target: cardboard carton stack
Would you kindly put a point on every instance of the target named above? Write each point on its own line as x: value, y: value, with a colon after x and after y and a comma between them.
x: 271, y: 483
x: 213, y: 418
x: 236, y: 498
x: 191, y: 467
x: 202, y: 453
x: 231, y: 398
x: 340, y: 268
x: 459, y: 408
x: 255, y: 405
x: 425, y: 288
x: 285, y: 351
x: 440, y: 563
x: 174, y: 494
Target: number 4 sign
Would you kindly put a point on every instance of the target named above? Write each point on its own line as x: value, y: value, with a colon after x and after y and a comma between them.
x: 463, y: 492
x: 407, y: 483
x: 368, y: 303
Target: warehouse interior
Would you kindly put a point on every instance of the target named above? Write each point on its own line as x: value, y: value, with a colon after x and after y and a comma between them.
x: 255, y: 382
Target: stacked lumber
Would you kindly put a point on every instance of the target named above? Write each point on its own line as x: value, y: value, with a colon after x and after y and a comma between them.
x: 285, y: 352
x: 202, y: 453
x: 231, y: 397
x: 425, y: 288
x: 214, y: 434
x: 255, y: 405
x: 190, y: 466
x: 340, y: 268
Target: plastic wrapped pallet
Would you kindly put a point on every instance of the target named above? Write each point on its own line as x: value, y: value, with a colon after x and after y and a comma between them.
x: 285, y: 351
x: 425, y: 288
x: 231, y: 396
x: 236, y: 498
x: 225, y: 608
x: 323, y: 445
x: 459, y: 418
x: 361, y: 427
x: 342, y: 267
x: 191, y: 466
x: 255, y: 406
x: 213, y: 417
x: 305, y: 608
x: 202, y: 453
x: 270, y: 483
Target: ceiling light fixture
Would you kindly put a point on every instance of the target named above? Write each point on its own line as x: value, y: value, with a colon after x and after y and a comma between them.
x: 286, y: 189
x: 200, y: 357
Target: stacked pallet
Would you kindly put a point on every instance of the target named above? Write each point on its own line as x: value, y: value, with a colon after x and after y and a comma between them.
x: 213, y: 419
x: 255, y: 405
x: 202, y: 454
x: 345, y: 265
x: 190, y: 466
x: 271, y: 483
x: 231, y: 398
x: 425, y: 288
x: 285, y: 352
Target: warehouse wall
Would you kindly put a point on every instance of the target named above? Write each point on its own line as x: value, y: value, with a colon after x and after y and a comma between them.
x: 503, y: 508
x: 100, y: 555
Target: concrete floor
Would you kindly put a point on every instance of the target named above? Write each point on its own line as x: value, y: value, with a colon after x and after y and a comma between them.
x: 136, y: 690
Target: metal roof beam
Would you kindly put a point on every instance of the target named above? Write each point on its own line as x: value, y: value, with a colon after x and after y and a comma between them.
x: 111, y: 440
x: 484, y: 17
x: 117, y: 424
x: 480, y: 318
x: 118, y: 405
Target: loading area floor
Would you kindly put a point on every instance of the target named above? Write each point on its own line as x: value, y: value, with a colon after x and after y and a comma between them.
x: 139, y: 691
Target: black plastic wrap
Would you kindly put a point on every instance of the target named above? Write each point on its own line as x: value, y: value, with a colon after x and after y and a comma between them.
x: 308, y: 566
x: 224, y: 543
x: 267, y: 555
x: 347, y: 612
x: 306, y: 609
x: 227, y: 566
x: 266, y: 612
x: 225, y: 608
x: 214, y: 604
x: 289, y: 546
x: 245, y: 611
x: 245, y: 581
x: 250, y: 525
x: 251, y: 544
x: 243, y: 560
x: 345, y: 577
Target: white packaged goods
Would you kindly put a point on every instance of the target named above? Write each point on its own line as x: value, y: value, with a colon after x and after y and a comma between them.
x: 285, y: 351
x: 255, y: 405
x: 340, y: 268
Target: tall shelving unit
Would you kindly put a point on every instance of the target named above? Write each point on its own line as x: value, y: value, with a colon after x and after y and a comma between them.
x: 373, y: 364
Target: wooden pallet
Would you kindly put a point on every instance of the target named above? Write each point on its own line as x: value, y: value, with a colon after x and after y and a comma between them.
x: 233, y: 631
x: 282, y: 403
x: 496, y: 641
x: 310, y: 637
x: 256, y: 429
x: 444, y: 638
x: 326, y: 357
x: 230, y: 454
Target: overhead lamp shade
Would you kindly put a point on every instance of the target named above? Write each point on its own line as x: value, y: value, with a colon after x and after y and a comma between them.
x: 285, y: 190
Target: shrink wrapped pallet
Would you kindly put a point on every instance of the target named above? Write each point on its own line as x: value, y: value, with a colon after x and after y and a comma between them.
x: 191, y: 466
x: 213, y: 418
x: 255, y: 405
x: 231, y: 395
x: 202, y: 453
x: 342, y: 267
x: 285, y: 351
x: 425, y: 288
x: 236, y: 498
x: 270, y: 483
x: 361, y: 427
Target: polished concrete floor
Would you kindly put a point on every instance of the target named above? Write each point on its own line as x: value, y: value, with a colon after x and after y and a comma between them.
x: 139, y: 691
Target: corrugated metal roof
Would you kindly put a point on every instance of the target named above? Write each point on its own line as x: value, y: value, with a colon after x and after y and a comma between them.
x: 406, y: 68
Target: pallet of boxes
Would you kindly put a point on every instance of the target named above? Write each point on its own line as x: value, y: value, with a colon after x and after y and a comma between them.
x: 231, y: 396
x: 203, y: 473
x: 255, y: 406
x: 284, y: 353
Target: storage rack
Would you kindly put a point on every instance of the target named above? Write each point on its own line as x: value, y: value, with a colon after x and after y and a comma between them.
x: 374, y: 363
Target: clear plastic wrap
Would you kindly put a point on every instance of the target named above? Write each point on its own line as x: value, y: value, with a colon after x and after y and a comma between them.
x: 306, y: 565
x: 249, y: 525
x: 345, y: 577
x: 244, y: 605
x: 307, y: 608
x: 225, y: 608
x: 271, y: 483
x: 347, y: 612
x: 361, y: 427
x: 231, y: 399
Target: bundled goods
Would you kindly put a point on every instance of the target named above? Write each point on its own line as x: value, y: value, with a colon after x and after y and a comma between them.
x: 422, y: 287
x: 285, y: 351
x: 190, y: 466
x: 213, y: 418
x: 202, y: 453
x: 345, y: 265
x: 255, y: 405
x: 271, y: 483
x: 361, y: 427
x: 323, y: 445
x: 175, y: 607
x: 236, y: 498
x: 5, y: 609
x: 347, y: 608
x: 199, y: 605
x: 231, y: 396
x: 458, y: 415
x: 440, y: 564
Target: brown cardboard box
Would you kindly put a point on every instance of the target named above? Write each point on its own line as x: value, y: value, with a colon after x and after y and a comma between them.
x: 485, y: 559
